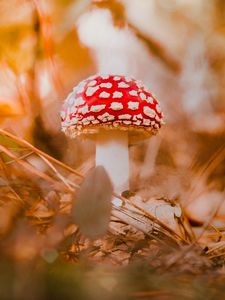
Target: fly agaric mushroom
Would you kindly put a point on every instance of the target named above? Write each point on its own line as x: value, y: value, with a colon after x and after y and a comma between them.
x: 113, y: 109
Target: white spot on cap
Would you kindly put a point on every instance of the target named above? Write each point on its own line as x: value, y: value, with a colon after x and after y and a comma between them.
x: 104, y: 95
x: 91, y: 77
x: 133, y: 93
x: 127, y: 122
x: 91, y: 90
x: 71, y: 100
x: 111, y: 117
x: 105, y: 76
x: 73, y: 109
x: 71, y: 130
x: 146, y: 88
x: 139, y: 116
x: 146, y: 122
x: 157, y: 118
x: 83, y: 110
x: 80, y: 87
x: 115, y: 124
x: 150, y: 100
x: 149, y: 112
x: 156, y: 126
x: 123, y: 84
x: 107, y: 85
x: 95, y: 122
x: 116, y: 106
x: 62, y: 114
x: 97, y: 108
x: 128, y: 79
x: 117, y: 95
x: 138, y: 122
x: 143, y: 96
x: 106, y: 117
x: 80, y: 90
x: 91, y: 83
x: 90, y: 118
x: 101, y: 117
x: 133, y: 105
x: 85, y: 121
x: 116, y: 78
x: 79, y: 101
x: 158, y: 108
x: 125, y: 116
x: 75, y: 121
x: 139, y: 83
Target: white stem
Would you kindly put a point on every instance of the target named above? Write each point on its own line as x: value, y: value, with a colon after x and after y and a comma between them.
x: 112, y: 153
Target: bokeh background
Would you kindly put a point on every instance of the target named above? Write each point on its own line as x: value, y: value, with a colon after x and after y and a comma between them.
x: 177, y: 48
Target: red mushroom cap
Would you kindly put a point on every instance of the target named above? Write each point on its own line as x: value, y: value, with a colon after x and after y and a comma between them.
x: 111, y: 102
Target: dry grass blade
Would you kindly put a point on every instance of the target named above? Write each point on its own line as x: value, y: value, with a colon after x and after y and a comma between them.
x: 214, y: 161
x: 57, y: 173
x: 26, y: 165
x: 6, y: 178
x: 216, y: 255
x: 216, y: 248
x: 130, y: 219
x: 216, y: 251
x: 50, y: 161
x: 195, y: 242
x: 209, y: 221
x: 20, y: 157
x: 153, y: 219
x: 37, y: 151
x: 204, y: 172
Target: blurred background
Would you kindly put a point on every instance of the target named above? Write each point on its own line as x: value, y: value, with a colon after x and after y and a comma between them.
x: 176, y: 47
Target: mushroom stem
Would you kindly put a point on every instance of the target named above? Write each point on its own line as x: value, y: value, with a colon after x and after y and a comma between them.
x: 112, y: 153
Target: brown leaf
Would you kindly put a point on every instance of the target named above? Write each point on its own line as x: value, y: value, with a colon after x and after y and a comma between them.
x: 92, y: 208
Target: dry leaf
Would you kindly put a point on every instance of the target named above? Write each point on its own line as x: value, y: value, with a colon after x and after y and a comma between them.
x: 92, y: 208
x: 163, y: 210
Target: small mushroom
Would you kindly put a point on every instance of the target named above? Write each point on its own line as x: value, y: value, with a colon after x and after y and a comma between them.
x: 115, y: 110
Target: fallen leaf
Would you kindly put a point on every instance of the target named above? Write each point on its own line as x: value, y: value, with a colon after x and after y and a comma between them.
x: 92, y: 207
